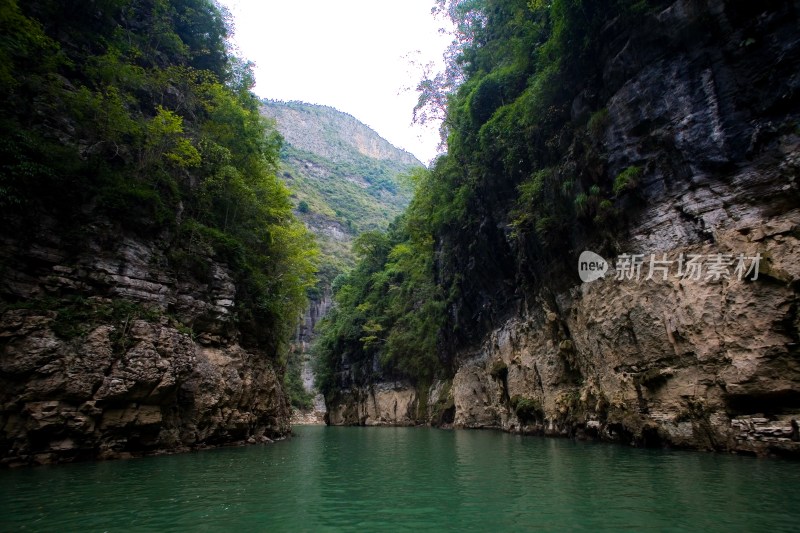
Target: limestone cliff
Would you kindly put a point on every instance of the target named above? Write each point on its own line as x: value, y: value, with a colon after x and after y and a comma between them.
x: 148, y: 361
x: 318, y: 307
x: 384, y: 404
x: 151, y: 267
x: 702, y: 99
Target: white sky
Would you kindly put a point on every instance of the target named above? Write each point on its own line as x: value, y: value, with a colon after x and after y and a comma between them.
x: 354, y: 55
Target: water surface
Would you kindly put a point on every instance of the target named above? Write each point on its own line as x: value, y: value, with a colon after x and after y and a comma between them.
x: 409, y: 479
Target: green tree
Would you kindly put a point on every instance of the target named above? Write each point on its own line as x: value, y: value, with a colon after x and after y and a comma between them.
x: 135, y: 111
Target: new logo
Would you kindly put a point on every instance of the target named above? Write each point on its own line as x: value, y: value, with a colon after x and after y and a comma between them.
x: 591, y: 266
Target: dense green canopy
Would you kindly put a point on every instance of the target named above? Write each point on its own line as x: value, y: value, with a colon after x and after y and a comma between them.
x: 135, y: 111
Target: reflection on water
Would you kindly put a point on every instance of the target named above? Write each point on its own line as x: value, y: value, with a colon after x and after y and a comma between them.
x: 395, y: 479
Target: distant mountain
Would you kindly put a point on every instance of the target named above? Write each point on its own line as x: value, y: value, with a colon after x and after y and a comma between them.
x: 345, y: 178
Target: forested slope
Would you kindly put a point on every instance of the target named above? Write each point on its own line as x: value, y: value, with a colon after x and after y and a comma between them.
x: 345, y: 179
x: 152, y: 269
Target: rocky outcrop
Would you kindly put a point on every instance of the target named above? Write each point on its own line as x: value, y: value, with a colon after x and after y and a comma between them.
x: 317, y: 308
x: 395, y: 403
x: 331, y: 134
x: 707, y: 361
x: 384, y: 404
x: 702, y: 99
x: 107, y: 352
x: 707, y: 366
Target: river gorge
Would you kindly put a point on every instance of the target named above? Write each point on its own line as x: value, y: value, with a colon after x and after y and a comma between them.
x: 210, y: 297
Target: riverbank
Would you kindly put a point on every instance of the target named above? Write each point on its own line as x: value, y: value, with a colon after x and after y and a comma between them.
x: 475, y: 399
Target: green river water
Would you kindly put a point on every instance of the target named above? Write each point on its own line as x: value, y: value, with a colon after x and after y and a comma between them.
x: 408, y: 479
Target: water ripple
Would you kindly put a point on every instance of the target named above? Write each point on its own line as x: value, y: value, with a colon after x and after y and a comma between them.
x: 408, y: 479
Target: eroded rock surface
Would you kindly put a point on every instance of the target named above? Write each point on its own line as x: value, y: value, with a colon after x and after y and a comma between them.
x: 702, y: 98
x: 388, y: 403
x: 150, y: 363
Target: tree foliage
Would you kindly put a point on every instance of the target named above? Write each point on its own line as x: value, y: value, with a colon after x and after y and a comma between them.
x: 523, y: 175
x: 388, y: 309
x: 134, y: 110
x: 522, y: 179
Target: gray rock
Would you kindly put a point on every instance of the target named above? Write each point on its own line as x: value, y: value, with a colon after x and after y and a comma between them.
x: 128, y: 386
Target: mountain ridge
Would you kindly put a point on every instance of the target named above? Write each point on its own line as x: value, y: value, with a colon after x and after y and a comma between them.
x: 379, y: 147
x: 345, y: 178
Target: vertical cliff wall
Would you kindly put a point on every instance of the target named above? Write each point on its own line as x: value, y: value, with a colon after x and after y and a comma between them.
x: 151, y: 268
x: 706, y: 359
x: 699, y: 104
x: 318, y: 307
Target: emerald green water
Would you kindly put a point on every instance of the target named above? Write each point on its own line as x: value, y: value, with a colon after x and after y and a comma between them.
x: 408, y: 479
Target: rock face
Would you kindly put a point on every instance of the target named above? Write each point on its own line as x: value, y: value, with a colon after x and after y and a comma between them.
x: 396, y: 403
x: 150, y: 363
x: 304, y: 336
x: 384, y: 404
x: 331, y: 134
x: 706, y: 363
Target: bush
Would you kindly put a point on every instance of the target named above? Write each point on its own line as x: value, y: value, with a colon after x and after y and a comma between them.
x: 598, y: 123
x: 627, y: 180
x: 527, y: 409
x: 499, y: 370
x: 299, y: 397
x: 154, y: 128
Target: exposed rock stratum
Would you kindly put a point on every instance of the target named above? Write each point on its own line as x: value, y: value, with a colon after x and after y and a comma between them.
x: 703, y: 97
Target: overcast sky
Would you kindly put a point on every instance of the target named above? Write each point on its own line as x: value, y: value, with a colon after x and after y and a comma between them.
x: 354, y: 55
